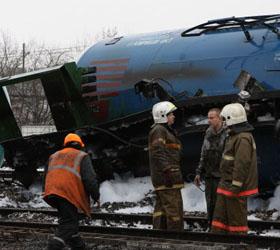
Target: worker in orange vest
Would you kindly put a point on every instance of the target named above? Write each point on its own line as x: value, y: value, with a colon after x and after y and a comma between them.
x: 69, y: 180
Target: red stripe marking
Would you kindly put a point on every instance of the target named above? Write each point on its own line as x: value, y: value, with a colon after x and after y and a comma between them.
x: 109, y: 77
x: 244, y: 193
x: 112, y: 94
x: 225, y: 227
x: 112, y: 68
x: 104, y: 84
x: 101, y: 93
x: 117, y: 61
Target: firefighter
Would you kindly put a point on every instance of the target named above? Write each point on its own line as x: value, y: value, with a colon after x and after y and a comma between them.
x: 69, y: 180
x: 164, y: 157
x: 211, y: 154
x: 239, y: 176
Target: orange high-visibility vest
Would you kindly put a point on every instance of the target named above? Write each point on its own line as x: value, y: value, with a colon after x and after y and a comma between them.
x: 64, y: 179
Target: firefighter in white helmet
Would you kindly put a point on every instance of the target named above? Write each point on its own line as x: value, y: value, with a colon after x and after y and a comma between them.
x: 164, y: 155
x: 239, y: 176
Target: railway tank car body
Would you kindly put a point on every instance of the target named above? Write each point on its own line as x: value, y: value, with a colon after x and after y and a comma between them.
x: 210, y: 62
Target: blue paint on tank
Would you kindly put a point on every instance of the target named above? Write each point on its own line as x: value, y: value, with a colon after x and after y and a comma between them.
x: 211, y: 61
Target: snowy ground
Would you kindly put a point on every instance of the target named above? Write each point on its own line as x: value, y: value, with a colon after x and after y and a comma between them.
x: 135, y: 195
x: 121, y: 195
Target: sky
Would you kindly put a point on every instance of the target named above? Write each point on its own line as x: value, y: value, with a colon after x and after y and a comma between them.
x: 65, y: 22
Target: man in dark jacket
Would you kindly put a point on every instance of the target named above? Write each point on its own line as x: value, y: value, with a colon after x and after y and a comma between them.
x: 69, y: 180
x: 239, y: 176
x: 164, y: 156
x: 211, y: 154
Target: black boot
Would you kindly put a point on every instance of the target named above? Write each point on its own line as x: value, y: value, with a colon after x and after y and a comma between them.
x: 56, y: 243
x: 76, y: 243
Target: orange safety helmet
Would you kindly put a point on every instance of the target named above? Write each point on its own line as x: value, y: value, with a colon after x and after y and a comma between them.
x: 73, y: 138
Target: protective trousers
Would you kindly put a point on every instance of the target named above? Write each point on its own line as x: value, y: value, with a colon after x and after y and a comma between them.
x: 230, y: 215
x: 168, y: 212
x: 67, y: 231
x: 211, y: 185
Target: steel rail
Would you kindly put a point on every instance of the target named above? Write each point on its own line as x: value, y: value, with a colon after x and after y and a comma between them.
x: 143, y: 218
x: 158, y: 235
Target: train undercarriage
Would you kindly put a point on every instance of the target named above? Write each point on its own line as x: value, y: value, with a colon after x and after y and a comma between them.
x: 120, y: 145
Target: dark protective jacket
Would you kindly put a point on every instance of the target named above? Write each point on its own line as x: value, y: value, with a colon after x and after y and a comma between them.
x: 164, y: 156
x: 239, y: 174
x: 70, y: 175
x: 211, y: 153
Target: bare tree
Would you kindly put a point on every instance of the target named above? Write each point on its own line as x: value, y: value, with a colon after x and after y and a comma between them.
x: 106, y: 32
x: 109, y: 32
x: 10, y: 55
x: 28, y: 99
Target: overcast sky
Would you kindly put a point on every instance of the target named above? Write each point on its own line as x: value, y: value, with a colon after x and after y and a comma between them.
x: 62, y: 22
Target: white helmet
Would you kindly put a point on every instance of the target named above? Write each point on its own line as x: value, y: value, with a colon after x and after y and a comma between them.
x: 161, y: 110
x: 234, y: 113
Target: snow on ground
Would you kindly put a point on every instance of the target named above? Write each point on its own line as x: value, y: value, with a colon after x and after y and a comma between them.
x: 135, y: 210
x: 7, y: 202
x: 16, y: 196
x: 271, y: 233
x: 135, y: 195
x: 253, y: 217
x: 129, y: 189
x: 125, y: 189
x: 274, y: 202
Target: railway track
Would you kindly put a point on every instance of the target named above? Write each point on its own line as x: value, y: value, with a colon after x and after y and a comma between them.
x: 132, y: 219
x: 144, y: 236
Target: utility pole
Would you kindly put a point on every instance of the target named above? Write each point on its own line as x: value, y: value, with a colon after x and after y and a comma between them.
x: 23, y: 57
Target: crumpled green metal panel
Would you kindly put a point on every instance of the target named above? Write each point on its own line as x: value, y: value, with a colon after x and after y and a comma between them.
x: 62, y: 86
x: 63, y: 92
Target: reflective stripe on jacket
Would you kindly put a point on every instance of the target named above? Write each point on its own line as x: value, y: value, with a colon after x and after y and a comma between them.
x: 229, y: 228
x: 239, y: 194
x: 64, y: 179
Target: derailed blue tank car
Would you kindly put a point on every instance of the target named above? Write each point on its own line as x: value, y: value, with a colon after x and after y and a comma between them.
x: 199, y: 68
x: 212, y: 60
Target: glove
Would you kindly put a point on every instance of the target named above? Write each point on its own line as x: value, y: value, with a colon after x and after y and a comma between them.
x: 168, y: 178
